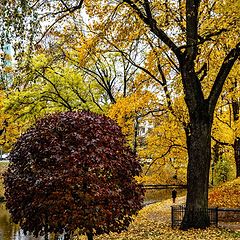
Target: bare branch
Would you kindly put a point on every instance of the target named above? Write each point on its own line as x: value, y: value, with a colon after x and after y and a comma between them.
x: 222, y: 143
x: 66, y: 11
x: 152, y: 24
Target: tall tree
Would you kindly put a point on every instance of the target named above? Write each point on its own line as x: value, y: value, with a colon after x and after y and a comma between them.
x: 200, y: 107
x: 236, y: 110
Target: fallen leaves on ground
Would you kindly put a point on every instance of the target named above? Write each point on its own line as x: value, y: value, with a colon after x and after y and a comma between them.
x: 226, y: 195
x: 154, y: 223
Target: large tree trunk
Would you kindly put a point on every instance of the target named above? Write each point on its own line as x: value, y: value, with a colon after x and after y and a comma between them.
x: 236, y: 146
x: 200, y: 107
x: 199, y: 152
x: 237, y: 155
x: 89, y: 236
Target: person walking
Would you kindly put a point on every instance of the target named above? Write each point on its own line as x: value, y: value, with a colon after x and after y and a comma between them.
x: 174, y: 195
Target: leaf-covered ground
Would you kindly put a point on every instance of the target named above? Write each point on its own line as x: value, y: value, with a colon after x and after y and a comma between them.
x: 226, y: 195
x: 154, y: 222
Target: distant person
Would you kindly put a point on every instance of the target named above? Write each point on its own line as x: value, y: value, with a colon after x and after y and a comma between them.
x: 174, y: 195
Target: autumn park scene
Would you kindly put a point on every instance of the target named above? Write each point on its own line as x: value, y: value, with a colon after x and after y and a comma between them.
x: 119, y: 119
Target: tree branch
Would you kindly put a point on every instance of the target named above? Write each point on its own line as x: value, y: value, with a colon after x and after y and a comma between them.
x: 152, y: 24
x: 66, y: 103
x: 226, y: 67
x: 222, y: 143
x: 66, y: 11
x: 137, y: 65
x: 163, y: 155
x: 192, y: 28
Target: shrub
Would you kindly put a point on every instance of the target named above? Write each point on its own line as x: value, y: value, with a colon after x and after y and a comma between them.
x: 222, y: 171
x: 73, y: 171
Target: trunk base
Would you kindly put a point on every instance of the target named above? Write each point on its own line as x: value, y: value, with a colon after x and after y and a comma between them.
x: 195, y: 218
x: 89, y: 236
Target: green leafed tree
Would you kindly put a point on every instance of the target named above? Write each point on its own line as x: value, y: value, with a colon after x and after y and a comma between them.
x: 47, y: 88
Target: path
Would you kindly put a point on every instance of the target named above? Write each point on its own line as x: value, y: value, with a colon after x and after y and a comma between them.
x: 162, y: 210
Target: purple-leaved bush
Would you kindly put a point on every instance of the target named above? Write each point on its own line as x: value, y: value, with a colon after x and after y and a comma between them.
x: 73, y: 171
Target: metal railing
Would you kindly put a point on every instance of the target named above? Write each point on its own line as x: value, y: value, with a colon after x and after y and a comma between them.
x: 178, y: 211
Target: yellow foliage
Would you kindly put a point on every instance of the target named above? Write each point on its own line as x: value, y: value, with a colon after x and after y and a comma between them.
x: 8, y: 57
x: 10, y: 127
x: 166, y: 148
x: 222, y: 130
x: 7, y: 69
x: 127, y: 109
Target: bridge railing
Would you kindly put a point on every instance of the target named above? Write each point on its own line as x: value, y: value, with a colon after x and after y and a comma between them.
x: 164, y: 186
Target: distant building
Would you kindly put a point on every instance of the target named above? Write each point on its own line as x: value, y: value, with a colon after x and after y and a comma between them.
x: 144, y: 128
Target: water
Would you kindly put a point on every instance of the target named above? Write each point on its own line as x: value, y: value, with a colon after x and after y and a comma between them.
x: 11, y: 231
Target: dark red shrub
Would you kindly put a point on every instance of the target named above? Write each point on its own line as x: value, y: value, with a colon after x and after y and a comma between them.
x: 73, y: 171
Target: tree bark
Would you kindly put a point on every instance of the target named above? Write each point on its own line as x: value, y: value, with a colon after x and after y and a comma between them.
x: 200, y: 109
x: 199, y: 152
x: 237, y: 155
x: 236, y: 145
x: 90, y: 236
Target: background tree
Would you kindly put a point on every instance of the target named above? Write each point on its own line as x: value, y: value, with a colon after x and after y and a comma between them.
x: 52, y: 87
x: 9, y: 129
x: 73, y: 171
x: 132, y: 112
x: 166, y: 147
